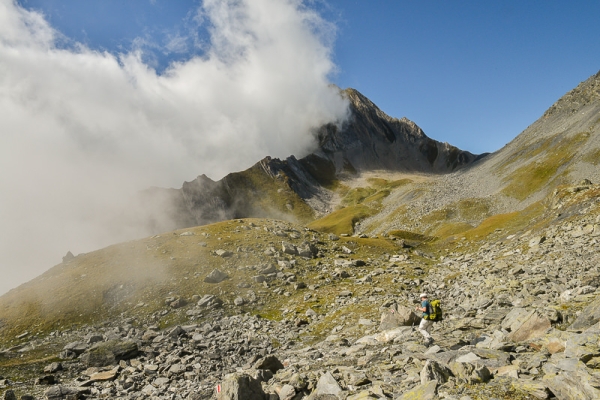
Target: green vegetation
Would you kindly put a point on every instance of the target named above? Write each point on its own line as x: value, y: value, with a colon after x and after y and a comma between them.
x: 267, y: 196
x: 444, y: 230
x: 411, y: 236
x: 357, y: 204
x: 593, y: 157
x: 357, y: 196
x: 511, y: 222
x: 555, y: 153
x: 342, y: 221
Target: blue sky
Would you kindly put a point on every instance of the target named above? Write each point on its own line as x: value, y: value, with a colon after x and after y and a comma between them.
x: 472, y: 73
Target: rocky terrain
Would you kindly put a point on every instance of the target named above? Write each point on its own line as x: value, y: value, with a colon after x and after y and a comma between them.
x: 562, y: 147
x: 312, y: 319
x: 261, y: 308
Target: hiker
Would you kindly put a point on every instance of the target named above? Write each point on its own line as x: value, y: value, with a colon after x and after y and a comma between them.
x: 426, y: 323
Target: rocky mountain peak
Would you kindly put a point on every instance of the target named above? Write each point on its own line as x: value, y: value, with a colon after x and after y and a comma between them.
x: 584, y: 94
x: 369, y: 140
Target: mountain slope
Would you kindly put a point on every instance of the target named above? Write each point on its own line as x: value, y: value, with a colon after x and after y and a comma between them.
x: 508, y: 245
x: 299, y: 189
x: 562, y: 147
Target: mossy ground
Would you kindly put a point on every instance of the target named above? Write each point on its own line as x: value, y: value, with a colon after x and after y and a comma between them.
x: 342, y: 221
x: 593, y: 157
x: 267, y: 197
x: 356, y: 204
x: 550, y: 162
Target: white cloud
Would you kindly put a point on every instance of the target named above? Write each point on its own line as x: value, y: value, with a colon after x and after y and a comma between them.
x: 82, y: 130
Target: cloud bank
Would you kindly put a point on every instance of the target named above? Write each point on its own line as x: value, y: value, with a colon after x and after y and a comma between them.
x: 82, y: 130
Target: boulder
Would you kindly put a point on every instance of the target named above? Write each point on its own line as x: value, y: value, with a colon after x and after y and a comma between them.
x: 60, y: 392
x: 289, y: 248
x: 53, y: 367
x: 286, y: 392
x: 68, y: 257
x: 210, y: 301
x: 588, y: 317
x: 398, y: 316
x: 109, y: 353
x: 105, y: 375
x: 531, y: 326
x: 514, y: 319
x: 307, y: 250
x: 434, y: 371
x: 223, y: 253
x: 327, y: 388
x: 573, y: 385
x: 536, y: 389
x: 427, y: 391
x: 270, y: 362
x: 216, y: 276
x: 238, y: 386
x: 470, y: 373
x: 9, y: 395
x: 76, y: 347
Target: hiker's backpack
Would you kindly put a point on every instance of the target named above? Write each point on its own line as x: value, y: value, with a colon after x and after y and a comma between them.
x: 435, y: 313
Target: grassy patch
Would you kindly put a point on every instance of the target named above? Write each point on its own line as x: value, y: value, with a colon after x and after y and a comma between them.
x: 452, y: 228
x: 530, y: 178
x: 377, y: 190
x: 411, y: 236
x: 593, y: 157
x: 457, y: 217
x: 342, y: 221
x: 473, y: 209
x: 511, y: 222
x: 357, y: 204
x: 382, y: 184
x: 267, y: 196
x: 357, y: 195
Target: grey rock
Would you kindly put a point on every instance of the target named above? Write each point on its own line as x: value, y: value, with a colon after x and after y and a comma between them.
x: 60, y: 392
x: 53, y: 367
x: 428, y: 391
x: 289, y: 248
x: 589, y: 316
x: 9, y: 395
x: 109, y: 353
x: 434, y: 371
x: 287, y: 392
x: 530, y: 326
x: 327, y: 388
x: 270, y: 362
x: 239, y: 386
x: 239, y: 301
x: 223, y: 253
x: 216, y: 276
x: 573, y: 385
x: 68, y: 257
x: 470, y: 373
x: 210, y: 301
x: 398, y: 316
x: 76, y: 347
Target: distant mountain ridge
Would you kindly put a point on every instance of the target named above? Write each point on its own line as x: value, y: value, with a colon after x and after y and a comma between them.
x: 369, y: 140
